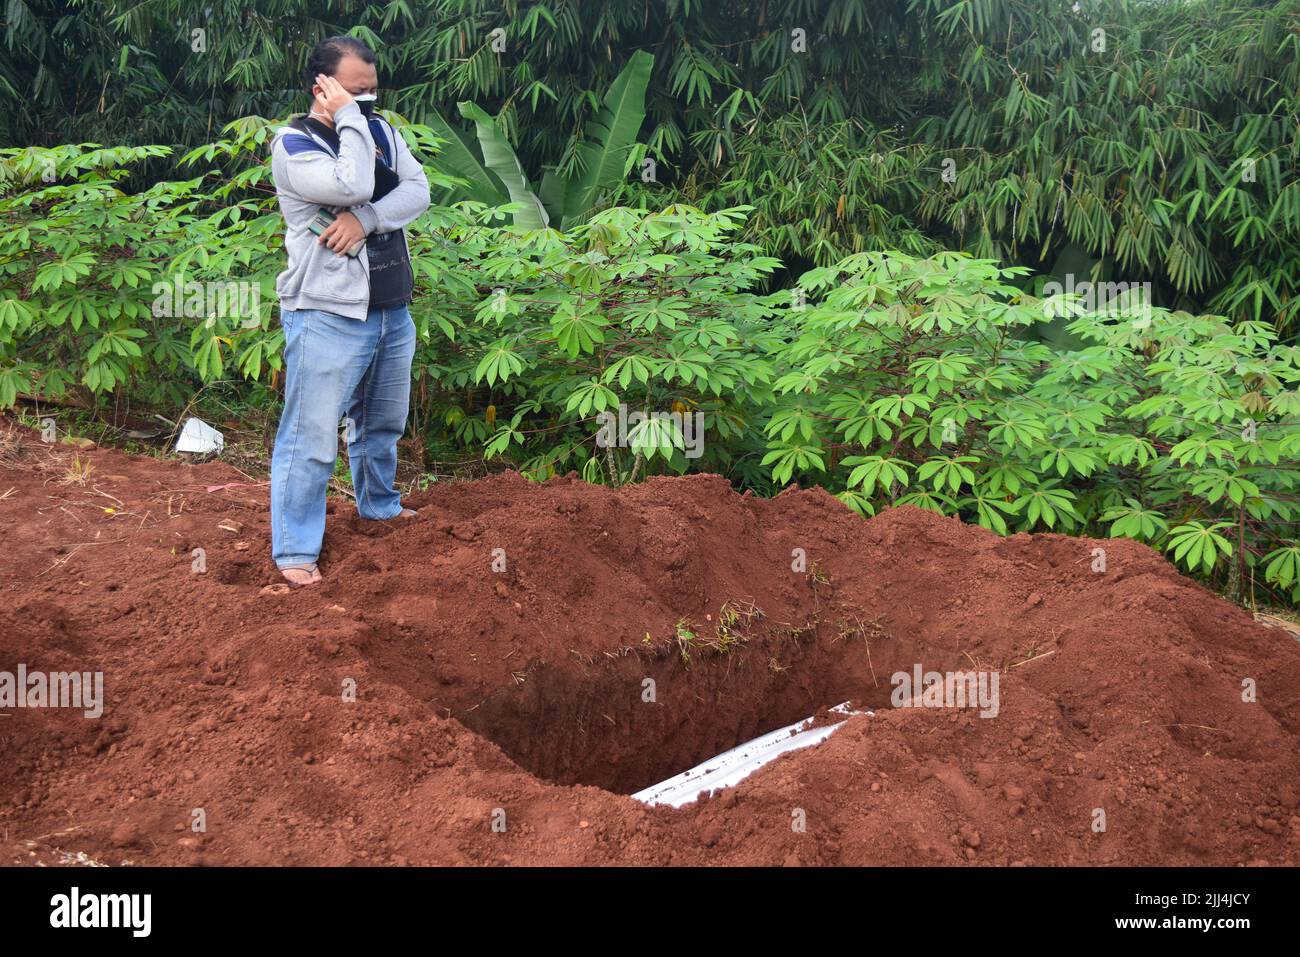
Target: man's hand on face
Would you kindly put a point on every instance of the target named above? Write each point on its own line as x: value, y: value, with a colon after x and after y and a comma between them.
x: 342, y: 233
x: 331, y: 96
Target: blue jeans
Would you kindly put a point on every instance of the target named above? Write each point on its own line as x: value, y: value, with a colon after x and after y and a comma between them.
x: 338, y: 367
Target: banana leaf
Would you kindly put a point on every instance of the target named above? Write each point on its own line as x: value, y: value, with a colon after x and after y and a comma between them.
x: 501, y: 160
x: 609, y: 136
x: 460, y: 157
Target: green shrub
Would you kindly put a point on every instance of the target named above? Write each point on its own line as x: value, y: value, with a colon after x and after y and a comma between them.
x: 648, y: 311
x: 915, y: 381
x: 98, y: 286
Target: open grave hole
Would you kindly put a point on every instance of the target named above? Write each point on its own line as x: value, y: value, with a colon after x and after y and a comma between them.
x: 593, y: 722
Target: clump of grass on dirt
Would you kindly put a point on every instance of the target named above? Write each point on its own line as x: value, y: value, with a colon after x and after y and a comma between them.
x: 735, y: 619
x: 78, y: 472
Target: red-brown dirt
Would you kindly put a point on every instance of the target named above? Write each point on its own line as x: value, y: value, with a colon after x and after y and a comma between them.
x: 483, y: 693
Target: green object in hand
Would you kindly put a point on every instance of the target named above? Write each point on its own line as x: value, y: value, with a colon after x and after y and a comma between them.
x: 321, y: 221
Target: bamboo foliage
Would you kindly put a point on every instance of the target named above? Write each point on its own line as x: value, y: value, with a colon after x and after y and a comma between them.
x: 1160, y: 137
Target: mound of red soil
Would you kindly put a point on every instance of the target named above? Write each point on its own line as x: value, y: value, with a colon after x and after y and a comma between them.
x: 487, y: 682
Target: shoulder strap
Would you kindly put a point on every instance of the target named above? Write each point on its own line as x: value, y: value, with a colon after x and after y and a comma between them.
x: 381, y: 131
x: 298, y: 137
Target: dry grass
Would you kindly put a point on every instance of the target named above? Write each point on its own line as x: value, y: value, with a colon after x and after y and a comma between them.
x: 1288, y: 624
x: 11, y: 447
x: 78, y: 472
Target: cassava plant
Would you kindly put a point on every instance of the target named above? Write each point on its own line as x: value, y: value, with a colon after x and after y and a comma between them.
x: 914, y: 381
x: 650, y: 312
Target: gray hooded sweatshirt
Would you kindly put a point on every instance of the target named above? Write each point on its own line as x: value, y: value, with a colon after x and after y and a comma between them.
x: 308, y: 175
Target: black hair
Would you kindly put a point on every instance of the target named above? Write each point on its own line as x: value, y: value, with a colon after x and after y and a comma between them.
x: 326, y: 54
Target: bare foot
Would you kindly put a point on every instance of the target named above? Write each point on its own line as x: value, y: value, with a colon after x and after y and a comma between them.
x: 406, y: 513
x: 299, y: 575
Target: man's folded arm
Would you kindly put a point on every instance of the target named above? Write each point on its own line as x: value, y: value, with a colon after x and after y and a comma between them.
x: 346, y: 180
x: 407, y: 201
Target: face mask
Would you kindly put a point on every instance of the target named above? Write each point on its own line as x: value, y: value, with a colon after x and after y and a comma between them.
x: 366, y: 101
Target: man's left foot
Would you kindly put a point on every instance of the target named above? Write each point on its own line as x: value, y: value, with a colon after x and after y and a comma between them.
x: 406, y: 513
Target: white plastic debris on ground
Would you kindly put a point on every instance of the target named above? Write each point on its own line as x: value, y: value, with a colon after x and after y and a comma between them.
x: 732, y: 767
x: 197, y: 436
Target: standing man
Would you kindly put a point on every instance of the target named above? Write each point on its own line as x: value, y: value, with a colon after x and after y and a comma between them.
x: 347, y: 185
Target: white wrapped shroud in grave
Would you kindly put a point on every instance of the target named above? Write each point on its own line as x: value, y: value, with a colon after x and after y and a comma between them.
x: 731, y: 767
